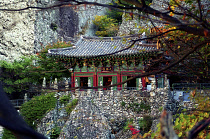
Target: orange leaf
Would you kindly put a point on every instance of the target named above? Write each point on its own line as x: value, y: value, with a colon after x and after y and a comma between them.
x: 168, y: 7
x: 193, y: 93
x: 171, y: 14
x: 184, y: 16
x: 206, y: 32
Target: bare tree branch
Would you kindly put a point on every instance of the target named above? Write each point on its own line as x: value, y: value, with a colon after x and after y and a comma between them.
x: 200, y: 12
x: 139, y: 6
x: 193, y: 133
x: 155, y: 36
x: 167, y: 130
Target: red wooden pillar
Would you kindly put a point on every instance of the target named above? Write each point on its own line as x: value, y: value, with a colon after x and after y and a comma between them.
x: 72, y: 80
x: 95, y: 80
x: 143, y: 82
x: 119, y: 79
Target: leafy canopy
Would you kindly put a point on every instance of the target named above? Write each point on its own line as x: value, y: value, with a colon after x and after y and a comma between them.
x: 51, y: 67
x: 17, y: 75
x: 107, y: 27
x: 20, y: 75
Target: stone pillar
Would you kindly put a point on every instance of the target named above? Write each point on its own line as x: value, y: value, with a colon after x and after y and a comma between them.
x: 76, y: 85
x: 140, y: 84
x: 25, y: 98
x: 153, y: 90
x: 56, y: 116
x: 166, y: 83
x: 44, y: 83
x: 101, y: 84
x: 112, y: 87
x: 66, y: 86
x: 153, y: 85
x: 89, y: 85
x: 125, y: 86
x: 56, y: 84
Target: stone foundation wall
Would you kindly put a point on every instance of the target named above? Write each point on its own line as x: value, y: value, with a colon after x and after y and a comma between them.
x: 101, y: 113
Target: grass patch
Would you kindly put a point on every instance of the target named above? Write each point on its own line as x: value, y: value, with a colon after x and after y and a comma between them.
x: 70, y: 106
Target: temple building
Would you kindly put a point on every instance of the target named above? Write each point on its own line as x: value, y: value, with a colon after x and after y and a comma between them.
x: 97, y: 61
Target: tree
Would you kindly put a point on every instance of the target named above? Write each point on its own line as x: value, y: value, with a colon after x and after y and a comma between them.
x: 50, y: 67
x: 19, y: 76
x: 107, y: 27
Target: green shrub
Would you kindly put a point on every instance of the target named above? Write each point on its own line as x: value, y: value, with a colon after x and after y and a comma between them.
x: 123, y: 103
x: 115, y: 14
x: 145, y: 123
x: 65, y: 99
x: 145, y: 106
x: 55, y: 132
x: 137, y: 107
x: 53, y: 26
x: 128, y: 123
x: 35, y: 109
x: 7, y: 134
x: 107, y: 27
x: 70, y: 106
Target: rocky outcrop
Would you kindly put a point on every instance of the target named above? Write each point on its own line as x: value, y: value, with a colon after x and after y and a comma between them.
x: 86, y: 122
x: 26, y: 32
x: 56, y: 117
x: 44, y: 33
x: 16, y: 30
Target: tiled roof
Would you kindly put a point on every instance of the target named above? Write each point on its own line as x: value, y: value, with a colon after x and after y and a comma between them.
x: 96, y: 46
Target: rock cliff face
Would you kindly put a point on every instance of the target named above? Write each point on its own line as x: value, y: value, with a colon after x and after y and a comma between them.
x: 133, y: 26
x: 26, y: 32
x: 16, y: 30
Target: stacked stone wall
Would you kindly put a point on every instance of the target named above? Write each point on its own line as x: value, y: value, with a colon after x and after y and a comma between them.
x: 100, y: 110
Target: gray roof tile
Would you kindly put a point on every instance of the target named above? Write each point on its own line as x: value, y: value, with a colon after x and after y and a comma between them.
x: 95, y: 46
